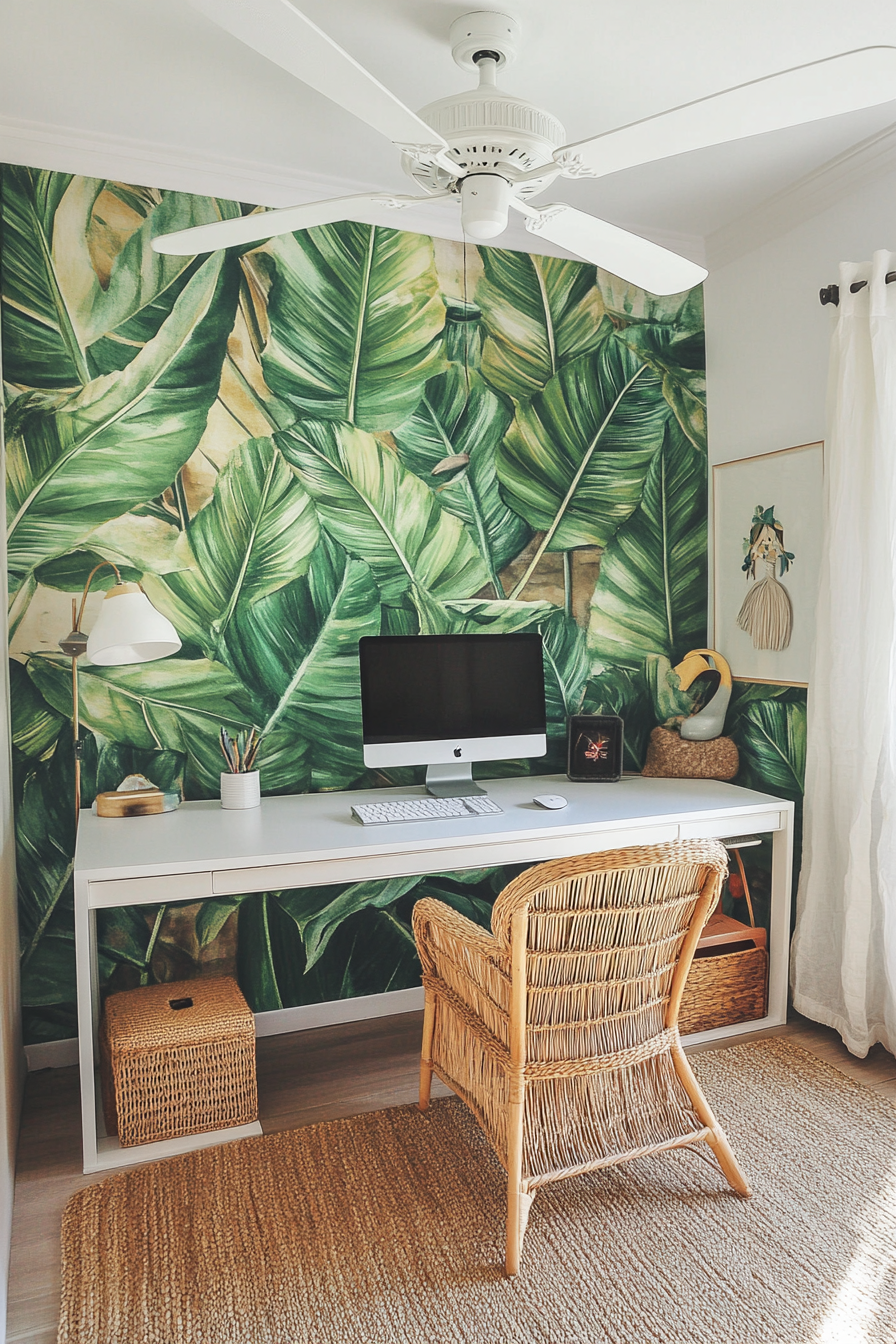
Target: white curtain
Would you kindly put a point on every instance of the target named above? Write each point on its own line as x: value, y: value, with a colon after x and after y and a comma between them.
x: 844, y: 951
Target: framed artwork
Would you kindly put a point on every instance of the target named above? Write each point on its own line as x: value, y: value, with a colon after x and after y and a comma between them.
x: 594, y: 749
x: 767, y: 514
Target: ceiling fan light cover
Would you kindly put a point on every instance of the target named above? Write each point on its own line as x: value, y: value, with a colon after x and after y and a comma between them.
x: 485, y: 200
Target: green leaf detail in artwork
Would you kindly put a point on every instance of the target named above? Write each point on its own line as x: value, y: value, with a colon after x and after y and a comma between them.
x: 318, y: 912
x: 45, y: 843
x: 680, y: 360
x: 460, y: 415
x: 356, y: 316
x: 771, y: 737
x: 315, y: 728
x: 178, y: 704
x: 650, y: 596
x: 48, y: 976
x: 40, y: 346
x: 35, y: 726
x: 255, y: 535
x: 115, y: 323
x: 566, y: 668
x: 630, y: 305
x: 539, y: 313
x: 76, y: 462
x: 382, y: 513
x: 623, y: 691
x: 574, y: 462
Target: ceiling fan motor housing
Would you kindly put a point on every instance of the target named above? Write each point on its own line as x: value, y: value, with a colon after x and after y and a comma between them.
x: 489, y: 131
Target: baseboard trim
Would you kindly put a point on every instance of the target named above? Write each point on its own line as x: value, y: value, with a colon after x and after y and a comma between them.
x: 279, y: 1022
x: 52, y: 1054
x: 309, y: 1015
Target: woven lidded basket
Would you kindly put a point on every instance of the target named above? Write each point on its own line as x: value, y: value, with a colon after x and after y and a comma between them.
x: 177, y: 1059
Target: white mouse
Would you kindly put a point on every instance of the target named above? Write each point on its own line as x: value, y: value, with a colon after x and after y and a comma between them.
x: 552, y: 800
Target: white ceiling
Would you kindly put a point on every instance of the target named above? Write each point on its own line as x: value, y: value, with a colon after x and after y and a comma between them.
x: 151, y: 91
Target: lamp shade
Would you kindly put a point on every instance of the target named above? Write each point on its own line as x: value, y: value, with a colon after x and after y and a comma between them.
x: 130, y: 630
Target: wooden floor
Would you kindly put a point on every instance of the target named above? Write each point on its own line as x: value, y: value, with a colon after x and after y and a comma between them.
x: 302, y: 1078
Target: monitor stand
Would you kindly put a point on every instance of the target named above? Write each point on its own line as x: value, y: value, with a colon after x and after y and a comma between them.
x: 452, y: 780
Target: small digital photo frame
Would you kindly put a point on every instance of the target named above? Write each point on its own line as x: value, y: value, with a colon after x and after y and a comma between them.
x: 594, y: 747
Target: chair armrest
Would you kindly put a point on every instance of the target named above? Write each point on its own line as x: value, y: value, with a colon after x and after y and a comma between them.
x: 454, y: 932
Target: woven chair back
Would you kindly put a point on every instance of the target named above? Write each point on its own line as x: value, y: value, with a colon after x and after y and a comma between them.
x: 604, y: 934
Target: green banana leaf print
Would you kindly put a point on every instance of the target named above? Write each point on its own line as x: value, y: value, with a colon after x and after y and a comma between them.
x: 78, y: 460
x: 451, y: 441
x: 539, y: 313
x: 651, y: 593
x: 342, y: 432
x: 356, y: 316
x: 576, y: 457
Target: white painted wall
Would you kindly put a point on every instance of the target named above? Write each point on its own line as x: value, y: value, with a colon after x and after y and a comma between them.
x: 767, y: 335
x: 12, y: 1057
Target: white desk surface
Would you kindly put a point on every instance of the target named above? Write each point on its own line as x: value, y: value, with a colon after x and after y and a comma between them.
x: 319, y: 827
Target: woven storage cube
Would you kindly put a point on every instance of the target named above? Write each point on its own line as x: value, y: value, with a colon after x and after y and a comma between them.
x: 177, y: 1059
x: 725, y: 988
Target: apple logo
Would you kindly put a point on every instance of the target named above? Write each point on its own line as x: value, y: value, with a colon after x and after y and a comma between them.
x: 457, y: 751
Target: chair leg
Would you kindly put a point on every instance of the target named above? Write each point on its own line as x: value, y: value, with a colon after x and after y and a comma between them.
x: 717, y: 1141
x: 429, y: 1021
x: 518, y: 1202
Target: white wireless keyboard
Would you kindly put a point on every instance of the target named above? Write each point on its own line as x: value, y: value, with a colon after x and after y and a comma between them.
x: 424, y: 809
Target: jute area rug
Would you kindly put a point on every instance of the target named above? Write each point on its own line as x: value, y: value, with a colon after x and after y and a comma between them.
x: 389, y: 1228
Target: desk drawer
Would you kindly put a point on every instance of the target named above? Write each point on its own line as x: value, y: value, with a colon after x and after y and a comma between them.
x: 150, y: 890
x: 490, y: 853
x: 713, y: 830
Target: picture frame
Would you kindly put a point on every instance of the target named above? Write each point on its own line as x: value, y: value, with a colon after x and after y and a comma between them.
x: 594, y: 748
x: 767, y: 548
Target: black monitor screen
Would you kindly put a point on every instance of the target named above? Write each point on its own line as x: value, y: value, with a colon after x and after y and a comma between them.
x: 427, y: 688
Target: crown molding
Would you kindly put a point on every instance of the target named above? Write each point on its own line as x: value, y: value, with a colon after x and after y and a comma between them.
x: 63, y: 149
x: 809, y: 196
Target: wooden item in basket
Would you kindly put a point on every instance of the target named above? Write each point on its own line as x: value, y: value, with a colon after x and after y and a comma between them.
x: 728, y: 979
x: 177, y: 1059
x: 670, y: 757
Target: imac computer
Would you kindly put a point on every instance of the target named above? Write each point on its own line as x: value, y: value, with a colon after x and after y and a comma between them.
x: 444, y: 701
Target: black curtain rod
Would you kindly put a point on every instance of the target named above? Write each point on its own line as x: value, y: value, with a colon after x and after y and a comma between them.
x: 831, y: 293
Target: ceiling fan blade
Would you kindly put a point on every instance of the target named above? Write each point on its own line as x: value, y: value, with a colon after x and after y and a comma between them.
x: 377, y: 208
x: 632, y: 258
x: 844, y: 83
x: 283, y: 34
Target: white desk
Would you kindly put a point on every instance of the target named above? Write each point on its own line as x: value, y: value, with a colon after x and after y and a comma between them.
x: 312, y: 839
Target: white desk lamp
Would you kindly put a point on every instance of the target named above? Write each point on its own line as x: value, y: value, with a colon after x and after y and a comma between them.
x: 127, y: 630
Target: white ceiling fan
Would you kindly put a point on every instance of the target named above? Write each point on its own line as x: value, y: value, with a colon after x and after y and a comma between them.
x: 494, y: 152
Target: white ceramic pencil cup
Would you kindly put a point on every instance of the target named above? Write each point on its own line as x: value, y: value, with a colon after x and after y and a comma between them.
x: 242, y: 790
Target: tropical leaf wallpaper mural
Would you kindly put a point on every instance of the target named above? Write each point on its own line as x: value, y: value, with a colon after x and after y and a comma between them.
x: 344, y: 432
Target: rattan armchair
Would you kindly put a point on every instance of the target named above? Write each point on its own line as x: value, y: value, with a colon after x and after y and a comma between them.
x: 559, y: 1028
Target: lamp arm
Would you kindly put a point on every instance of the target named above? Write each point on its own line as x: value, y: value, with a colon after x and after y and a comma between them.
x: 74, y: 645
x: 95, y: 570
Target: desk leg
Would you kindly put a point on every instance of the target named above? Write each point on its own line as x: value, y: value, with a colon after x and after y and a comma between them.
x: 87, y: 981
x: 779, y: 930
